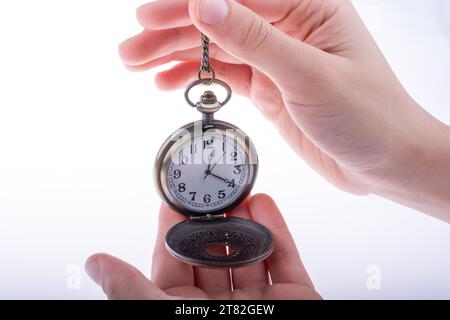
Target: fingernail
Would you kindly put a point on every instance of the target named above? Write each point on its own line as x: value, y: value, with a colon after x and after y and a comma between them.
x: 94, y: 270
x: 212, y: 12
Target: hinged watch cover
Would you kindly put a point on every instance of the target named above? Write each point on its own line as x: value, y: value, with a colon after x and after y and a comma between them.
x: 220, y: 243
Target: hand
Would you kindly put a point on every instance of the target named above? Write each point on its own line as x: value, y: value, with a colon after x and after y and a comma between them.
x: 172, y: 279
x: 312, y: 68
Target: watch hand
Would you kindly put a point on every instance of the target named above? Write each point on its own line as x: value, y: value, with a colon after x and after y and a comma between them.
x: 215, y: 164
x: 220, y: 178
x: 208, y: 170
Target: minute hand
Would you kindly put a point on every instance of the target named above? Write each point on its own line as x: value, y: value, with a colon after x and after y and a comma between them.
x: 215, y: 163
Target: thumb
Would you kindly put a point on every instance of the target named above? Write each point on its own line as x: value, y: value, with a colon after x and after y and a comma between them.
x: 244, y: 34
x: 121, y: 281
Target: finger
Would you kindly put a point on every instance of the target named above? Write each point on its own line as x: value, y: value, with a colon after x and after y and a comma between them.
x: 237, y: 76
x: 215, y: 282
x: 164, y: 14
x: 150, y: 45
x: 255, y: 276
x: 284, y: 264
x: 167, y: 271
x: 121, y: 281
x: 186, y: 55
x: 244, y: 34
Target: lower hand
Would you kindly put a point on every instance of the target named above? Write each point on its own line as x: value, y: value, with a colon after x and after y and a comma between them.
x: 173, y: 279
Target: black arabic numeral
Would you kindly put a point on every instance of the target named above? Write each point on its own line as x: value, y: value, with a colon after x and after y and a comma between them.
x: 232, y: 184
x: 222, y: 194
x: 209, y: 142
x: 207, y: 198
x: 177, y: 174
x: 193, y: 194
x: 184, y: 160
x: 237, y: 170
x: 182, y: 187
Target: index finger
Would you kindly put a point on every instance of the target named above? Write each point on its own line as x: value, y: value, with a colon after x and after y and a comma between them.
x: 166, y: 14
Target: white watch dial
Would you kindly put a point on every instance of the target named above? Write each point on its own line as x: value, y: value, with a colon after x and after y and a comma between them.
x: 209, y: 173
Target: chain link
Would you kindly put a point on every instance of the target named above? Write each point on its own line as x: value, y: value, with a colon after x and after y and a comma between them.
x: 208, y: 81
x: 206, y: 64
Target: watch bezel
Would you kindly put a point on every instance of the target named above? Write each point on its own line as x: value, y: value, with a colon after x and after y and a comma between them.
x: 189, y: 132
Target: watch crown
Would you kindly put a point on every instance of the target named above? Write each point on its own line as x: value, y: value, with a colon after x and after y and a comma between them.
x: 208, y: 98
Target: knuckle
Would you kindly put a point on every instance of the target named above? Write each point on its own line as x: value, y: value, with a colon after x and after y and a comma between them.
x: 255, y: 36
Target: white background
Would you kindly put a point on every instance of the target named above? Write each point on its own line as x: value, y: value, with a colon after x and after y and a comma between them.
x: 78, y: 136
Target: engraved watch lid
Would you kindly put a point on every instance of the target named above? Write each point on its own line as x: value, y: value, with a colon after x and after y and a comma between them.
x: 220, y: 243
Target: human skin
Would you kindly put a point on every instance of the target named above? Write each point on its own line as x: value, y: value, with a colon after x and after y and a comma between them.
x: 312, y: 68
x: 173, y: 279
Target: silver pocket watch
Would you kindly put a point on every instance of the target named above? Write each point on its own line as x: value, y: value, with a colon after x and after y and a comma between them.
x: 202, y: 171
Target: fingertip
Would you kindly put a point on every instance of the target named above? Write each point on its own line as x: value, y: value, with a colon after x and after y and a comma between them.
x: 126, y: 53
x: 264, y: 209
x: 89, y: 262
x: 140, y: 13
x: 131, y: 68
x: 123, y: 46
x: 92, y: 259
x: 120, y: 280
x: 100, y: 256
x: 177, y: 77
x: 145, y: 16
x: 242, y: 210
x: 262, y: 198
x: 165, y: 14
x: 93, y: 267
x: 135, y: 50
x: 262, y: 201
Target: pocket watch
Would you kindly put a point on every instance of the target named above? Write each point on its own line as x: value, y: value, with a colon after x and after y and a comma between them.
x: 202, y: 171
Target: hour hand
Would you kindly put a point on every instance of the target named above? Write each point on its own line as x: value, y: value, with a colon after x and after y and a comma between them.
x: 209, y: 173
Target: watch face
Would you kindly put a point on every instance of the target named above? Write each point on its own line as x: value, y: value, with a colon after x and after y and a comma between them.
x: 208, y: 173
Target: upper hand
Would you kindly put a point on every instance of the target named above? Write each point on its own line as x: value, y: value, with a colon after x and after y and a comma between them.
x: 309, y: 66
x: 312, y: 68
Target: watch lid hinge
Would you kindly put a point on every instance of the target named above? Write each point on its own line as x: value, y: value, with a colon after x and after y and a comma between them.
x: 208, y: 217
